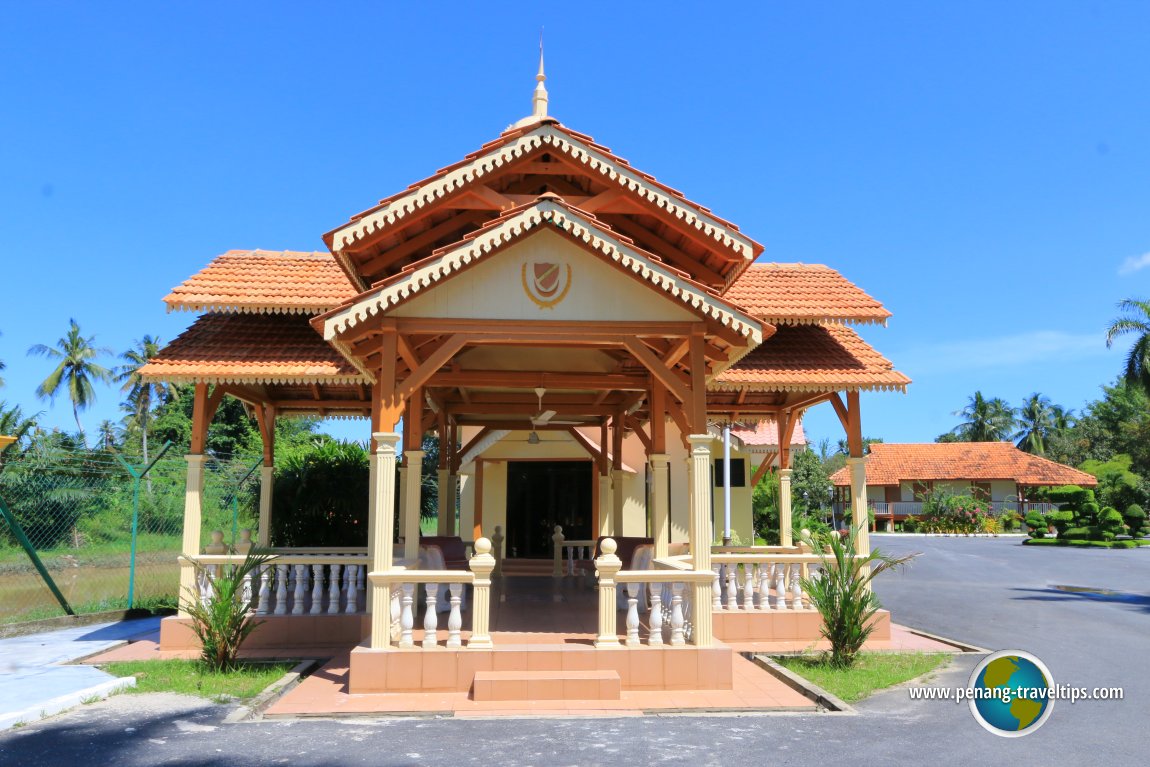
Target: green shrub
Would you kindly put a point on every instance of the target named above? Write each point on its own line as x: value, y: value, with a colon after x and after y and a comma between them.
x: 1037, y: 524
x: 1070, y: 494
x: 841, y: 593
x: 1135, y: 519
x: 1076, y: 533
x: 1061, y: 520
x: 225, y: 621
x: 1046, y: 542
x: 320, y: 496
x: 1124, y: 545
x: 910, y: 524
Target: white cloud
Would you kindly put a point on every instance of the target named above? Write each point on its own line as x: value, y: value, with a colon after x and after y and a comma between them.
x: 1054, y: 347
x: 1134, y: 264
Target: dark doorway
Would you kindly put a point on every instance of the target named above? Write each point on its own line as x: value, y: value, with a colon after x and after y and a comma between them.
x: 542, y: 494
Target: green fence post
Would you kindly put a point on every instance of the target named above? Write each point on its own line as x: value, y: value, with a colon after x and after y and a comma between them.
x: 18, y: 531
x: 137, y: 478
x: 236, y: 500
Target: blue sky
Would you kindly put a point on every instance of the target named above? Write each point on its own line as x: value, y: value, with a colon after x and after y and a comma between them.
x: 980, y: 167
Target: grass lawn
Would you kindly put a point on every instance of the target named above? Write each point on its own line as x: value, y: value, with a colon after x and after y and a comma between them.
x: 871, y: 672
x: 190, y: 678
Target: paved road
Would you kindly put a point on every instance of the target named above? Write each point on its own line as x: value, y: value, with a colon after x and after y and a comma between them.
x: 994, y: 593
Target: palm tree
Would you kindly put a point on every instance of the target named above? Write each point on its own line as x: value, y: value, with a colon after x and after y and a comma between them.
x: 76, y: 371
x: 14, y: 423
x: 1061, y: 419
x: 985, y: 420
x: 1036, y: 422
x: 107, y: 434
x: 1137, y: 321
x: 142, y: 396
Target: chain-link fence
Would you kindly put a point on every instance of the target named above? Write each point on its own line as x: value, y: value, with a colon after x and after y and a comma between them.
x: 105, y: 530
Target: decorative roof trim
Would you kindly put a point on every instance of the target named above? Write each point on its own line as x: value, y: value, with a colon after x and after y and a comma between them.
x: 501, y: 233
x: 243, y: 308
x: 256, y: 378
x: 546, y: 135
x: 819, y: 320
x: 819, y: 387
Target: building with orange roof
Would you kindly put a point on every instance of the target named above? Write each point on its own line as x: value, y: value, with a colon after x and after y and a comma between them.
x: 585, y: 342
x: 899, y: 474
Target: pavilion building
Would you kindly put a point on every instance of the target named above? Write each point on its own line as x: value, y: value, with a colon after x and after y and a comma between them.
x: 578, y: 336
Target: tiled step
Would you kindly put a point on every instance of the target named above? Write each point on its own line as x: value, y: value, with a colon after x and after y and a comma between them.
x: 546, y: 685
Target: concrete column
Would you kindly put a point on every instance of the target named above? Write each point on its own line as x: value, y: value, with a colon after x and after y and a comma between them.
x: 452, y: 495
x: 785, y: 521
x: 446, y: 502
x: 413, y: 462
x: 606, y: 567
x: 618, y: 477
x: 660, y: 502
x: 267, y: 482
x: 381, y: 524
x: 193, y: 521
x: 605, y: 517
x: 860, y: 525
x: 702, y: 535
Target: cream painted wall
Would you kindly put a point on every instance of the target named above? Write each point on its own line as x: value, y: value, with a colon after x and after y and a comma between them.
x: 493, y: 289
x: 999, y: 489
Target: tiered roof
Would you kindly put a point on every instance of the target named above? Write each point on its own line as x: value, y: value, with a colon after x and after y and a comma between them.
x: 891, y: 464
x: 797, y: 294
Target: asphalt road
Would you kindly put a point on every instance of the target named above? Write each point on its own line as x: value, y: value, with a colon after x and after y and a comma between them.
x: 993, y: 593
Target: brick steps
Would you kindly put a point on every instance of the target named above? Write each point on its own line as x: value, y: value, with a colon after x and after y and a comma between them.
x: 546, y: 685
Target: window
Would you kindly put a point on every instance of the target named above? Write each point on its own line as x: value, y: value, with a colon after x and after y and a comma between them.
x: 738, y: 472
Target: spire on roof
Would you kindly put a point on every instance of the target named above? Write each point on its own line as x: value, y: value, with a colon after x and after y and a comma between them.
x: 539, y: 100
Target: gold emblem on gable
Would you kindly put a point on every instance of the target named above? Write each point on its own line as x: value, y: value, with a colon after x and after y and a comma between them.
x: 546, y: 283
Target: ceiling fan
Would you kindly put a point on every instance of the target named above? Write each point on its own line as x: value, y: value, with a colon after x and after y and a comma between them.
x: 544, y: 418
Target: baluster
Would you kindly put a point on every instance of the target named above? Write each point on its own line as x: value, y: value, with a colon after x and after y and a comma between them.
x: 430, y: 618
x: 265, y: 590
x: 300, y: 590
x: 396, y: 610
x: 688, y: 613
x: 406, y: 617
x: 352, y: 604
x: 455, y: 617
x: 633, y: 615
x: 796, y: 587
x: 780, y: 586
x: 570, y: 560
x: 655, y: 619
x: 764, y: 587
x: 316, y: 589
x: 333, y: 590
x: 732, y: 587
x: 677, y: 614
x: 281, y: 589
x: 556, y: 552
x: 748, y: 586
x: 348, y: 585
x: 360, y: 585
x: 717, y: 588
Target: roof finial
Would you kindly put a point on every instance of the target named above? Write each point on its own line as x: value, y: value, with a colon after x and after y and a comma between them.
x: 539, y: 100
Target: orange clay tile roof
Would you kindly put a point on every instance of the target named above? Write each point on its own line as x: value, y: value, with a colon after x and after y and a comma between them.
x: 890, y: 464
x: 264, y: 281
x: 812, y: 358
x: 766, y: 433
x: 802, y: 293
x: 250, y: 348
x: 546, y: 126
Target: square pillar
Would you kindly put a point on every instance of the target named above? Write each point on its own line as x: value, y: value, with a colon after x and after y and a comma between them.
x: 701, y: 536
x: 381, y: 524
x: 267, y: 482
x: 860, y: 525
x: 660, y: 503
x: 452, y: 496
x: 605, y: 517
x: 446, y: 517
x: 412, y: 476
x: 193, y: 521
x: 785, y: 522
x: 617, y: 478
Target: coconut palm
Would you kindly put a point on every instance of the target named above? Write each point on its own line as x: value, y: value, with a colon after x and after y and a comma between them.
x: 106, y: 433
x: 14, y: 423
x: 76, y: 370
x: 1036, y: 421
x: 142, y: 396
x: 985, y: 420
x: 1136, y: 321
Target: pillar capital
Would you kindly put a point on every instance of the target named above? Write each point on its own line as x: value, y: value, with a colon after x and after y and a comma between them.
x: 195, y: 459
x: 857, y: 460
x: 385, y: 442
x: 412, y: 455
x: 786, y: 474
x: 659, y: 459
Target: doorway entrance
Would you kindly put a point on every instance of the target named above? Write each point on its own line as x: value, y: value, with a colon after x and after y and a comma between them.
x: 542, y: 494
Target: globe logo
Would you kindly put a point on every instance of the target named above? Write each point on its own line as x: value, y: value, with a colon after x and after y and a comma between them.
x: 1010, y: 693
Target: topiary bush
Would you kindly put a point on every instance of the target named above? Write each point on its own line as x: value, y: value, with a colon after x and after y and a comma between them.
x: 1135, y: 519
x: 1037, y: 524
x: 1110, y: 523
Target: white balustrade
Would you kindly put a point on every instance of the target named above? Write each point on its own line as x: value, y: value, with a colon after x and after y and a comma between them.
x: 770, y: 579
x: 296, y: 584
